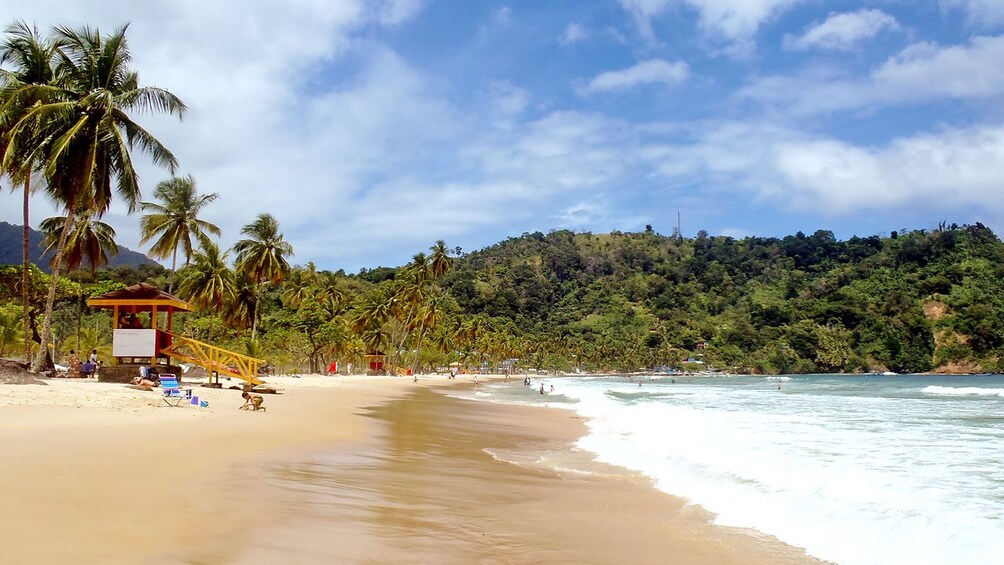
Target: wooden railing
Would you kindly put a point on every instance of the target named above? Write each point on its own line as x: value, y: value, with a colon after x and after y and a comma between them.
x: 214, y: 359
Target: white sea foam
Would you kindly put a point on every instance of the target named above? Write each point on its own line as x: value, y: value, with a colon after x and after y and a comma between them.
x: 857, y: 471
x: 963, y: 391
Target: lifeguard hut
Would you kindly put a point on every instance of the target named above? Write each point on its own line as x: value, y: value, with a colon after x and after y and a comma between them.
x: 137, y: 342
x: 376, y: 362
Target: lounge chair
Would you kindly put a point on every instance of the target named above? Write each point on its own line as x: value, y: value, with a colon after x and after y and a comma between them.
x: 173, y: 393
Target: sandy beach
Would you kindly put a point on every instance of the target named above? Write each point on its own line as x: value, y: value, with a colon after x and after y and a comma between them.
x: 340, y: 469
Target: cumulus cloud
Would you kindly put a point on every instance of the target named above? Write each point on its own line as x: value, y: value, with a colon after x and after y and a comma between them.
x: 843, y: 31
x: 948, y: 169
x: 652, y: 71
x: 574, y: 33
x: 733, y: 21
x: 981, y: 12
x: 922, y: 72
x: 507, y: 99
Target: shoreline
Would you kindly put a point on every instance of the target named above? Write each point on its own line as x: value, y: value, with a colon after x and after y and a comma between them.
x: 89, y: 483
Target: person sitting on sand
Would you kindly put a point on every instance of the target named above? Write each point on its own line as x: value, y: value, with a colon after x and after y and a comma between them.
x: 146, y: 383
x: 252, y: 401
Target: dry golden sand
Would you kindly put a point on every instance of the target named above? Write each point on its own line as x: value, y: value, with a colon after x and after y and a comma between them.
x: 98, y: 473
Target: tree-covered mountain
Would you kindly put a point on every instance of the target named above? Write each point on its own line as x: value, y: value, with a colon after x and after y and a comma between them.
x: 910, y: 302
x: 917, y: 301
x: 11, y: 239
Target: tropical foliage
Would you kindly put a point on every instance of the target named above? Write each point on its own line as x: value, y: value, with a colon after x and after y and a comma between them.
x: 76, y: 129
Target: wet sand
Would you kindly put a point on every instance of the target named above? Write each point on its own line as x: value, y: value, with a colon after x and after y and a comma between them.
x: 430, y: 488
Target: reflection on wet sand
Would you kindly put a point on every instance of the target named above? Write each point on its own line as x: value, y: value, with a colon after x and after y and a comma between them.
x: 428, y: 490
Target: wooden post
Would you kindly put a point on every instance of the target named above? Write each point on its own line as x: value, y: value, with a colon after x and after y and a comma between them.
x: 115, y: 326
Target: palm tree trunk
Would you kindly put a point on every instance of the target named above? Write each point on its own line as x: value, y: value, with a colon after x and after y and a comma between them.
x: 418, y: 351
x: 254, y: 320
x: 174, y: 270
x: 25, y: 265
x: 80, y: 310
x: 406, y: 333
x: 38, y: 363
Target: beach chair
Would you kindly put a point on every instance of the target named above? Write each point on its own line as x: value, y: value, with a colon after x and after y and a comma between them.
x: 173, y: 393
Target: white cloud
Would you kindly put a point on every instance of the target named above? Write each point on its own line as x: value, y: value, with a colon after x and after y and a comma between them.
x: 734, y: 21
x: 843, y: 31
x: 653, y: 71
x: 981, y: 12
x: 944, y: 170
x: 507, y: 99
x: 393, y: 12
x: 260, y: 131
x: 574, y: 33
x: 922, y: 72
x: 560, y: 152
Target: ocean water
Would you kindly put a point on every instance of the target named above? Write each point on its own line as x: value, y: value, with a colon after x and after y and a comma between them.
x: 855, y: 469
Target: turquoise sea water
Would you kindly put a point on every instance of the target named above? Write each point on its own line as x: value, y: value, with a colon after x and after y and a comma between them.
x: 856, y: 469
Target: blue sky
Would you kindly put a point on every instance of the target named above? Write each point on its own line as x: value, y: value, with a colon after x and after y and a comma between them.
x: 370, y: 129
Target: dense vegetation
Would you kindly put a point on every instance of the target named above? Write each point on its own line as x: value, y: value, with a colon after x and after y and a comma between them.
x: 918, y: 301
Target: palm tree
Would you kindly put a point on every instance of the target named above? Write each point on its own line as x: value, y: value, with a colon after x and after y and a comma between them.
x: 175, y: 220
x: 31, y: 59
x: 263, y: 257
x: 430, y: 314
x: 440, y: 260
x: 80, y: 132
x: 302, y: 285
x: 91, y: 241
x: 209, y: 283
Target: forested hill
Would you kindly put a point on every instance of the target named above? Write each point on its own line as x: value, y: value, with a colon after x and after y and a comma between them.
x: 12, y: 237
x: 910, y: 302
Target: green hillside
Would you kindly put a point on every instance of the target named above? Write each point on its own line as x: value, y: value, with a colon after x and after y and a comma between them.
x: 909, y: 302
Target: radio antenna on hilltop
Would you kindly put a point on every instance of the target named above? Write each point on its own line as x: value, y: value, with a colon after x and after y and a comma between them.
x: 679, y: 232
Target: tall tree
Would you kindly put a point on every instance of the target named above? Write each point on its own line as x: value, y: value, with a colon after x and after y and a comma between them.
x: 440, y: 260
x: 262, y: 256
x: 30, y: 59
x: 81, y: 132
x: 209, y: 283
x: 90, y: 241
x: 175, y: 221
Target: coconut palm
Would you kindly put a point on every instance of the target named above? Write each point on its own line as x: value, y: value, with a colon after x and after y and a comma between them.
x: 209, y: 282
x: 175, y: 221
x: 430, y: 314
x: 80, y: 132
x: 440, y: 261
x: 240, y: 310
x: 301, y: 285
x: 262, y: 256
x: 91, y: 240
x: 30, y: 59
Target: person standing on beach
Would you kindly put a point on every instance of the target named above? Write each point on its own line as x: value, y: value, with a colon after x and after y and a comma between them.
x: 74, y: 362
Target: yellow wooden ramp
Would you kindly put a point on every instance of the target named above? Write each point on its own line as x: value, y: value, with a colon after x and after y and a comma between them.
x: 214, y: 359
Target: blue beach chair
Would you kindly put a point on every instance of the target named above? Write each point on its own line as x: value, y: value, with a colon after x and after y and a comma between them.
x: 173, y: 393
